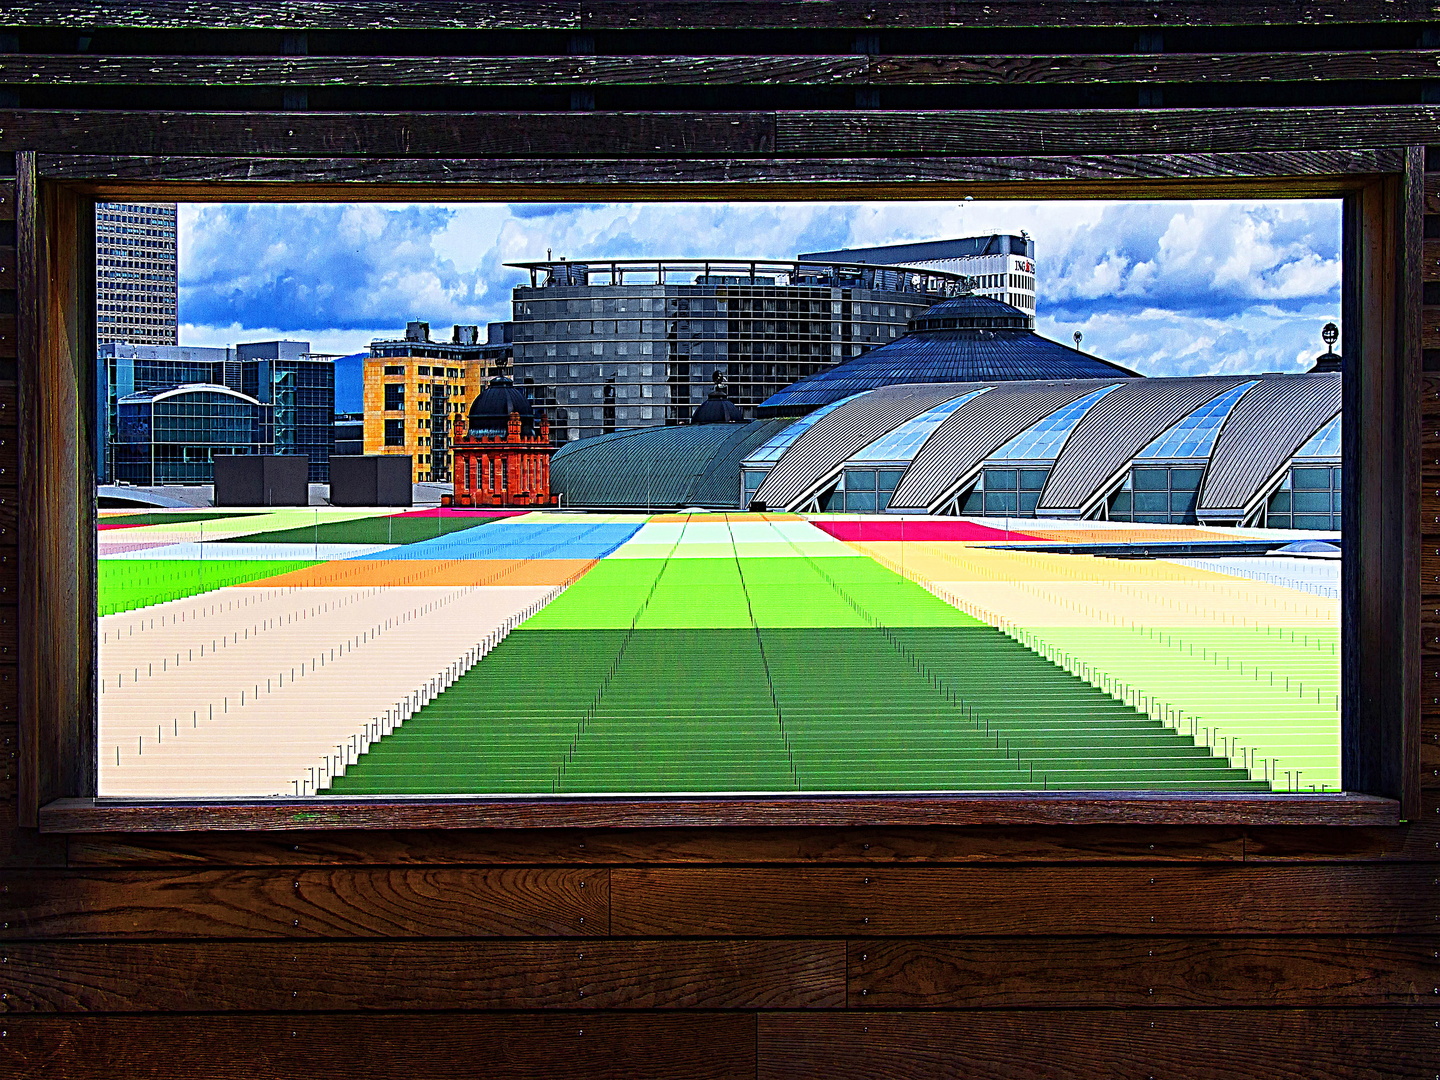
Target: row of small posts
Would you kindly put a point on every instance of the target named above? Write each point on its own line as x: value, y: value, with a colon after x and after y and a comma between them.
x: 376, y: 728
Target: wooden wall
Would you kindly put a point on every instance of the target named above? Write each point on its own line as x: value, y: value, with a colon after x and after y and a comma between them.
x: 1081, y: 951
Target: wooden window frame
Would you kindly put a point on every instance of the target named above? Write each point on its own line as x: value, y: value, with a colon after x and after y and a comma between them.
x: 1382, y: 192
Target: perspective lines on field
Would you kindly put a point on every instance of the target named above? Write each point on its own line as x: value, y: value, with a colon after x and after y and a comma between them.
x: 1248, y: 667
x: 370, y: 653
x: 745, y: 653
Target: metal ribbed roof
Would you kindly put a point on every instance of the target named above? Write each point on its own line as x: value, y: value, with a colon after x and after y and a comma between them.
x: 1262, y: 433
x: 975, y: 431
x: 1117, y: 428
x: 817, y: 455
x: 686, y: 465
x: 929, y: 356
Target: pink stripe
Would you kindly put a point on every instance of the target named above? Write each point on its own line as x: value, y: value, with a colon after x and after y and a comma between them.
x: 882, y: 530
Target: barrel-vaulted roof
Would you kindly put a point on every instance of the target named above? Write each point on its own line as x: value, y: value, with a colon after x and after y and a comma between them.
x: 1262, y: 433
x: 975, y: 431
x: 816, y: 456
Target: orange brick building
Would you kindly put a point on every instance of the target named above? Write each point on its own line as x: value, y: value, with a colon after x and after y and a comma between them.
x: 501, y: 455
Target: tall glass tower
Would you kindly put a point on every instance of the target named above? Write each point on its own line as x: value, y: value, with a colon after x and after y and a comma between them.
x: 135, y: 273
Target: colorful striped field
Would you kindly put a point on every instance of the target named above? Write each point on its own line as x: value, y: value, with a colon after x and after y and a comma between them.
x: 560, y: 653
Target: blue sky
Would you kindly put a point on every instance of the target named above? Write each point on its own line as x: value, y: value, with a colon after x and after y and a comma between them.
x: 1165, y: 288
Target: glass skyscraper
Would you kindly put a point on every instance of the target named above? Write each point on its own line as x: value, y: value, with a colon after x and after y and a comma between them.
x: 136, y: 261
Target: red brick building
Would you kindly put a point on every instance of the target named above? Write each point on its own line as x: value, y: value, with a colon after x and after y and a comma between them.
x: 501, y: 457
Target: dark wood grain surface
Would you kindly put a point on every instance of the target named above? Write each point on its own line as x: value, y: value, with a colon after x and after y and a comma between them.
x: 427, y: 975
x: 799, y: 133
x: 385, y: 1046
x: 871, y: 938
x: 705, y: 14
x: 803, y: 70
x: 1219, y: 899
x: 1283, y: 1044
x: 380, y: 902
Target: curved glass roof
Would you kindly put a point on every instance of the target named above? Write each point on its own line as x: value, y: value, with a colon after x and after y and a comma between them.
x: 1043, y: 440
x: 905, y: 441
x: 1324, y: 443
x: 772, y: 450
x: 1193, y: 436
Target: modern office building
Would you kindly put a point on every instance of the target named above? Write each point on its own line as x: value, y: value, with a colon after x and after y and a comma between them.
x: 171, y: 435
x: 124, y: 368
x: 297, y: 384
x: 1003, y: 265
x: 618, y: 344
x: 136, y: 260
x: 300, y: 385
x: 415, y: 388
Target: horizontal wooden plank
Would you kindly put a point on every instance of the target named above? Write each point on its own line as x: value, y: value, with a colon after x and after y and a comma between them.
x: 1148, y: 972
x: 298, y: 15
x: 348, y: 71
x: 798, y: 133
x: 1319, y: 174
x: 260, y: 903
x: 7, y: 273
x: 700, y: 14
x: 340, y: 976
x: 7, y: 200
x: 1430, y: 322
x: 8, y: 344
x: 1099, y: 69
x: 1117, y: 843
x: 1024, y: 901
x: 962, y: 132
x: 71, y: 69
x: 1414, y: 841
x: 1432, y: 193
x: 976, y: 14
x: 1053, y: 808
x: 388, y: 134
x: 386, y: 1046
x: 1430, y: 260
x: 1274, y: 1044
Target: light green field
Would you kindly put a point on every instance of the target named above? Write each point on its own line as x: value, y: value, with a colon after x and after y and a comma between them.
x: 126, y: 584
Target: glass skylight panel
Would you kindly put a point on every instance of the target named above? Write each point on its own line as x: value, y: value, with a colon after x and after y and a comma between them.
x: 905, y: 441
x: 1043, y: 440
x: 1324, y: 443
x: 1194, y: 435
x: 778, y: 444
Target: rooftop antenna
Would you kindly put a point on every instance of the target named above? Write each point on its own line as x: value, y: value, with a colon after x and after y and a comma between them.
x: 1078, y: 338
x: 547, y: 255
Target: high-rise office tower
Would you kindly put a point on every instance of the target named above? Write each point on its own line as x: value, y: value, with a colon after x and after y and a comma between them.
x: 135, y: 273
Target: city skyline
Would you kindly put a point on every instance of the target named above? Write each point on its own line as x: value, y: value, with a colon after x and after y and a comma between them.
x: 1162, y: 287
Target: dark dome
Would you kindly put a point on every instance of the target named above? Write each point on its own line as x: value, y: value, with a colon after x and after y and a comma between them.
x: 491, y: 410
x: 970, y: 312
x: 968, y: 339
x: 718, y: 409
